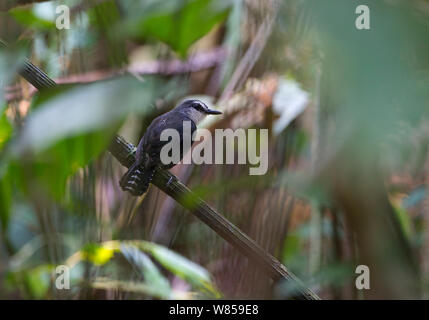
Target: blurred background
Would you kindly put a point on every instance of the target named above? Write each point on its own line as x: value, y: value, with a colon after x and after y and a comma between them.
x: 348, y: 152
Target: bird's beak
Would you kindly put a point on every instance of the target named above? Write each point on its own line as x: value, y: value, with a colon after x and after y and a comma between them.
x: 210, y: 111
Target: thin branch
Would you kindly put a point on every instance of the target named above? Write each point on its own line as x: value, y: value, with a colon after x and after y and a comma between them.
x: 124, y: 153
x: 198, y: 62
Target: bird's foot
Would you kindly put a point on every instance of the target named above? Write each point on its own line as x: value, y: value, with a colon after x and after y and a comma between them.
x: 172, y: 178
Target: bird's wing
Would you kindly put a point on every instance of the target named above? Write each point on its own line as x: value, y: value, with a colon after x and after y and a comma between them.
x: 151, y: 142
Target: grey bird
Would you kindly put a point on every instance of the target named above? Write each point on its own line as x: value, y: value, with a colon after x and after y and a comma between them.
x: 136, y: 180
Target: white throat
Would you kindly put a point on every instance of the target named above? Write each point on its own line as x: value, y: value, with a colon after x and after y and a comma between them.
x: 195, y: 115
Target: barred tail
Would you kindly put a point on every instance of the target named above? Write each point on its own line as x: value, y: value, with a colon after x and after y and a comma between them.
x: 136, y: 180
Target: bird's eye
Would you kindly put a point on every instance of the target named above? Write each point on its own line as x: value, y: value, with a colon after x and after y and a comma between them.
x: 198, y: 106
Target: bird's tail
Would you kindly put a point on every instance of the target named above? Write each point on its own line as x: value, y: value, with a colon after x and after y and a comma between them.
x: 136, y: 180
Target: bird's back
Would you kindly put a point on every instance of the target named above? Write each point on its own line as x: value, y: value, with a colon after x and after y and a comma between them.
x: 151, y: 144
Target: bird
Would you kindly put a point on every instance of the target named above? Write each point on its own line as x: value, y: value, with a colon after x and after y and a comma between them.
x: 136, y: 180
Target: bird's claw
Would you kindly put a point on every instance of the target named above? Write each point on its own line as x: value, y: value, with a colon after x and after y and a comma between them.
x: 136, y: 177
x: 170, y: 180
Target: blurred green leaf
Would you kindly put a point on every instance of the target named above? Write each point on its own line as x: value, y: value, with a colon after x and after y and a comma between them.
x: 404, y: 220
x: 49, y: 170
x: 86, y: 109
x: 179, y: 265
x: 155, y: 283
x: 291, y: 247
x: 152, y: 276
x: 5, y: 198
x: 178, y: 23
x: 32, y: 282
x: 27, y: 17
x: 68, y: 128
x: 5, y: 177
x: 37, y: 280
x: 5, y: 130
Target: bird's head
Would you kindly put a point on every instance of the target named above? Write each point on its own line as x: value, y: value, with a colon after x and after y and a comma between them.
x: 196, y: 109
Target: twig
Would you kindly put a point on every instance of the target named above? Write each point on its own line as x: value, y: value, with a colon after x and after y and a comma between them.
x: 198, y: 62
x: 124, y: 153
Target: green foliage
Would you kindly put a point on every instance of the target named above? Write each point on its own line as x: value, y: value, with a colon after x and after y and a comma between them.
x: 35, y: 282
x: 5, y: 198
x: 404, y: 220
x: 27, y: 17
x: 158, y: 284
x: 68, y: 128
x: 58, y: 195
x: 5, y: 177
x: 84, y: 109
x: 155, y: 283
x: 178, y: 23
x: 5, y: 130
x: 180, y: 266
